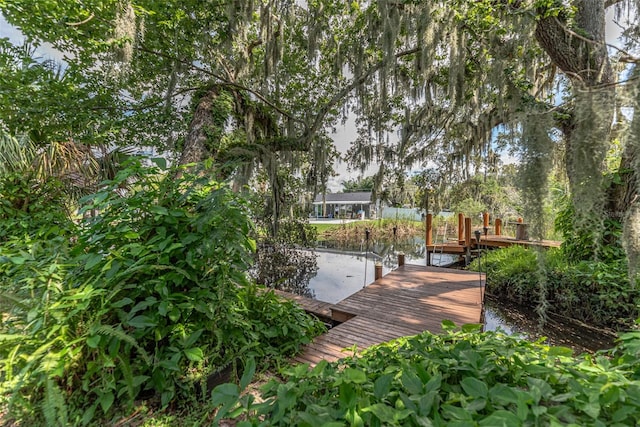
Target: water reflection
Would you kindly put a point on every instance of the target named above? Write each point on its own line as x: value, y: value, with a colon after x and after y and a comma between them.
x: 282, y: 267
x: 514, y: 319
x: 346, y: 267
x: 386, y: 250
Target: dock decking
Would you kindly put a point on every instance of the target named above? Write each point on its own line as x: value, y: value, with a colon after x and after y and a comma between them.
x: 456, y: 248
x: 407, y: 301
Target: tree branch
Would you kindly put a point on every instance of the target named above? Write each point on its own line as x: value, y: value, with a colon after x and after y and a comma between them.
x: 609, y: 3
x: 224, y: 81
x: 350, y: 87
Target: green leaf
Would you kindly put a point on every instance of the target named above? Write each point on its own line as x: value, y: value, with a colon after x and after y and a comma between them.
x: 474, y: 387
x: 247, y: 375
x: 141, y: 322
x: 193, y: 338
x: 194, y: 354
x: 382, y: 386
x: 91, y: 260
x: 224, y: 396
x: 455, y: 413
x: 448, y: 325
x: 18, y: 260
x: 124, y: 301
x: 161, y: 162
x: 434, y: 383
x: 560, y: 351
x: 472, y: 328
x: 384, y: 413
x: 160, y: 210
x: 411, y: 382
x: 106, y: 400
x: 93, y: 341
x: 501, y: 418
x: 502, y: 394
x: 355, y: 375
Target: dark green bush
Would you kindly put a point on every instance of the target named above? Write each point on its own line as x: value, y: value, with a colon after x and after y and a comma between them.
x: 153, y: 296
x: 32, y: 208
x: 599, y: 293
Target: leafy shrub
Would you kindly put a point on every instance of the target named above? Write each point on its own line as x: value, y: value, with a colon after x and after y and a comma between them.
x: 510, y: 272
x: 153, y: 296
x: 459, y: 378
x: 32, y: 208
x: 595, y: 292
x: 590, y: 240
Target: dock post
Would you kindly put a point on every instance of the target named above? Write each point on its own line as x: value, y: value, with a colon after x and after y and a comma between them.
x: 400, y: 259
x: 485, y: 219
x: 378, y: 271
x: 498, y: 224
x: 429, y: 236
x: 467, y: 239
x: 460, y: 228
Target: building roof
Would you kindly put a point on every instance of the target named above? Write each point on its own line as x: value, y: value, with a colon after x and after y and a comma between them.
x: 360, y: 197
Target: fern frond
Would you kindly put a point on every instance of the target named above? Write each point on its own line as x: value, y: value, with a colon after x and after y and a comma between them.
x: 54, y: 407
x: 127, y: 375
x: 7, y: 369
x: 15, y: 300
x: 110, y: 331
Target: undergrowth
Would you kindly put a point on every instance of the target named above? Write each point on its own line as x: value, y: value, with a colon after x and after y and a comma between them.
x: 599, y: 293
x: 145, y: 298
x: 460, y: 378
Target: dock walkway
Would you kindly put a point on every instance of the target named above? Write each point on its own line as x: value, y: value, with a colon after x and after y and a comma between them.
x: 490, y: 241
x: 407, y: 301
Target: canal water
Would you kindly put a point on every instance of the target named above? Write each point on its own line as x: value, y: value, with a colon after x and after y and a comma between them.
x: 344, y: 271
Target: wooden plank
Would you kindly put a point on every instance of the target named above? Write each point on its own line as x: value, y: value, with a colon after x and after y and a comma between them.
x: 321, y: 309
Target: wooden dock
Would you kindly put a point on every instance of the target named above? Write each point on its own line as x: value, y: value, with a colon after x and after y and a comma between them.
x: 407, y: 301
x: 467, y: 243
x: 490, y: 241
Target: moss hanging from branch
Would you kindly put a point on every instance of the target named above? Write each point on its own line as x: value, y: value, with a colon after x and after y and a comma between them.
x: 631, y: 229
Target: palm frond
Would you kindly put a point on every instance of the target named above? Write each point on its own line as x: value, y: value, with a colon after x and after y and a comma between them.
x: 16, y: 154
x: 68, y: 161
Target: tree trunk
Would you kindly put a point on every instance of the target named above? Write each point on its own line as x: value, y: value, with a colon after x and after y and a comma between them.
x: 628, y: 201
x: 581, y: 54
x: 196, y: 147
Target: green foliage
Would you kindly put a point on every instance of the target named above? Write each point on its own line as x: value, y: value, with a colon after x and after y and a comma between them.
x: 595, y: 292
x: 32, y: 208
x: 494, y: 193
x: 151, y: 297
x: 365, y: 183
x: 457, y: 378
x: 588, y: 240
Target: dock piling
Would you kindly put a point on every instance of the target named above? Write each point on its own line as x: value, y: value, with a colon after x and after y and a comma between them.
x: 467, y: 238
x: 378, y: 273
x: 429, y: 236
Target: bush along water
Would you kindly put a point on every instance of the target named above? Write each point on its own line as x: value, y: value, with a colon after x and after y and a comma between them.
x: 598, y: 293
x: 147, y: 298
x: 460, y: 378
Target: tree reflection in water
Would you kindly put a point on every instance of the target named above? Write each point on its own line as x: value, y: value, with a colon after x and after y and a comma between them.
x: 285, y: 268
